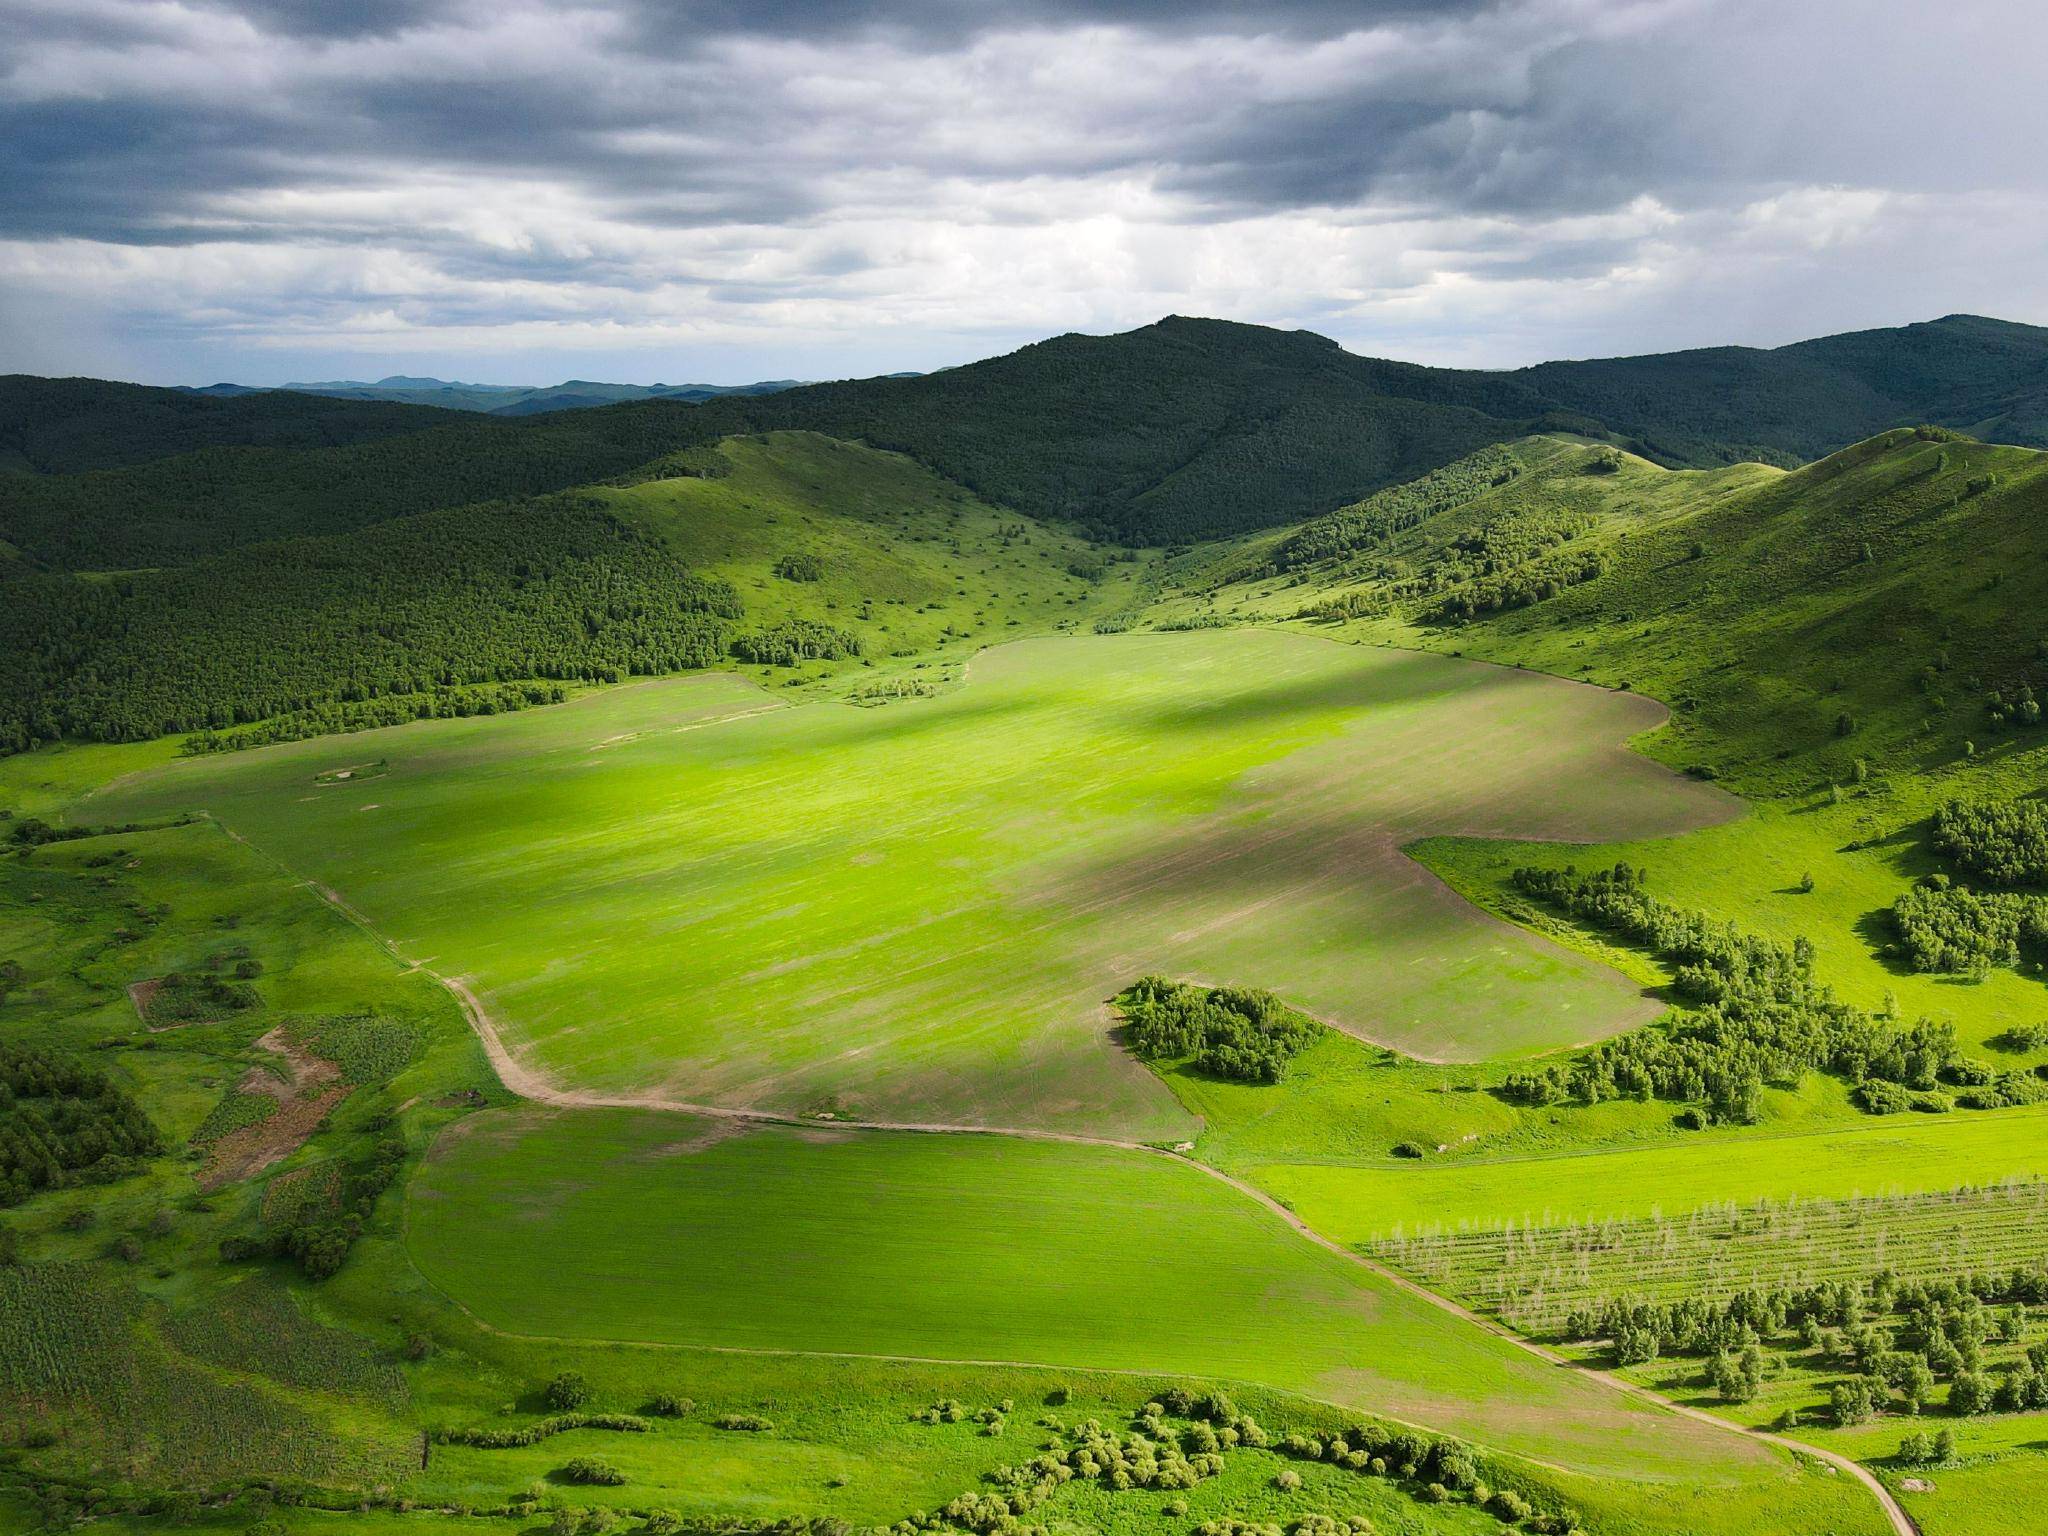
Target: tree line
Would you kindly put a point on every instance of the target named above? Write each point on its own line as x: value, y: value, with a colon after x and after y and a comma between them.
x: 326, y: 629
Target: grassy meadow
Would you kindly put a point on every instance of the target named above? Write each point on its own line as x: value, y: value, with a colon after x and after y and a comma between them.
x: 914, y: 911
x: 1863, y: 1156
x: 978, y: 1249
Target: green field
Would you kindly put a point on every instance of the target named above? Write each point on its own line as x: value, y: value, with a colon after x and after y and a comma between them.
x: 1862, y: 1157
x: 913, y: 912
x: 977, y: 1249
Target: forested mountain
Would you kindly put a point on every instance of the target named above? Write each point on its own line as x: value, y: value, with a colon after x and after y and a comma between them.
x: 173, y: 510
x: 1795, y: 403
x: 387, y: 549
x: 1181, y: 430
x: 68, y: 426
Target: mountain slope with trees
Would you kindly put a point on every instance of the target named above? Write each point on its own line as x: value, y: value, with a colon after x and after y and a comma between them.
x: 1183, y: 430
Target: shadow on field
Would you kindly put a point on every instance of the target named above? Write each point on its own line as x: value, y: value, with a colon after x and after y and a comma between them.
x: 1407, y: 678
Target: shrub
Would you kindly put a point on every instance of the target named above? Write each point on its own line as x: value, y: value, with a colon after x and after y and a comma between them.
x: 745, y: 1423
x: 1287, y: 1480
x: 566, y: 1392
x: 669, y: 1405
x: 592, y: 1471
x: 1407, y: 1149
x: 801, y: 567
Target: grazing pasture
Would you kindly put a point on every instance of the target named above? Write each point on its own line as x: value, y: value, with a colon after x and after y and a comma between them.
x: 976, y: 1248
x: 914, y: 911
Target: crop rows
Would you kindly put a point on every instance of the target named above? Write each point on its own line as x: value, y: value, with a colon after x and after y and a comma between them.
x: 1532, y: 1276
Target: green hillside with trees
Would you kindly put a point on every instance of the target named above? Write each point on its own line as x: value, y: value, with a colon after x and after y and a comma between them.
x: 1182, y: 430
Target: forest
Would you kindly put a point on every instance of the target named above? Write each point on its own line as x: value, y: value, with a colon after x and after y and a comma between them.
x: 315, y: 632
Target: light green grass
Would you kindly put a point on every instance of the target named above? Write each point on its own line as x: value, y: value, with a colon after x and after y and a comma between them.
x: 910, y: 562
x: 1868, y: 1156
x: 914, y: 911
x: 976, y: 1248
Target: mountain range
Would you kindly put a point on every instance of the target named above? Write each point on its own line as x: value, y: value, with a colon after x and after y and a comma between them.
x: 500, y: 399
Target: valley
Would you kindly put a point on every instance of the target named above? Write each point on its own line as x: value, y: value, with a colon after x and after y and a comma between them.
x: 990, y: 974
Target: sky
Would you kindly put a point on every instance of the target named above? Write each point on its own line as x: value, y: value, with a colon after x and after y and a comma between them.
x: 727, y: 190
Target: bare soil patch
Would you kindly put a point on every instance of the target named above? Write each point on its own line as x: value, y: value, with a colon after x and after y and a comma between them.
x: 304, y: 1100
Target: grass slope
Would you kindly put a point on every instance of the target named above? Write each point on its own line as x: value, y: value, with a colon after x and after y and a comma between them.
x: 1867, y: 1157
x: 914, y: 911
x: 976, y: 1248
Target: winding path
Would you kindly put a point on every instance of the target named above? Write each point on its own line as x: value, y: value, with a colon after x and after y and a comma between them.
x: 532, y: 1085
x: 529, y: 1084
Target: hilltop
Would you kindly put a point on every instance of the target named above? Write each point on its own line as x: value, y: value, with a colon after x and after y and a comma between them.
x: 1178, y: 431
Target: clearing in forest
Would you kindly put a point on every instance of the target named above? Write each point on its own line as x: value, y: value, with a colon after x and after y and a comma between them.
x: 914, y: 912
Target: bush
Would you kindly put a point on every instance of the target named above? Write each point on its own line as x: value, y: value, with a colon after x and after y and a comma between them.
x: 1287, y: 1480
x: 592, y: 1471
x: 669, y: 1405
x: 566, y: 1392
x: 803, y: 567
x: 745, y: 1423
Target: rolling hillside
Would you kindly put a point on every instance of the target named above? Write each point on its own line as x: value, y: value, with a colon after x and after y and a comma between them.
x: 1183, y: 430
x: 786, y: 550
x: 1862, y: 607
x: 1794, y: 403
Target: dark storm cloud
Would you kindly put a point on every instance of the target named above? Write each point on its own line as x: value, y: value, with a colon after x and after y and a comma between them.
x: 270, y: 168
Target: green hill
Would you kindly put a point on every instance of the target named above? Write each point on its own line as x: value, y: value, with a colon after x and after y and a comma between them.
x: 1183, y: 430
x: 785, y: 549
x: 1868, y: 606
x: 1795, y: 403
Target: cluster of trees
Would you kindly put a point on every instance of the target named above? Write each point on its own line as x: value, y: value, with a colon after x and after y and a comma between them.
x: 559, y: 589
x: 2001, y: 842
x: 1233, y: 1032
x: 2014, y: 706
x: 1946, y: 928
x: 1523, y: 586
x: 1371, y: 523
x: 1756, y: 1014
x: 63, y: 1122
x: 367, y: 714
x: 1355, y: 604
x: 795, y: 640
x: 1899, y: 1340
x: 800, y: 567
